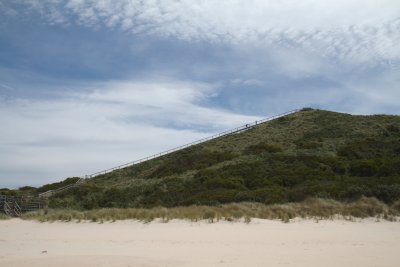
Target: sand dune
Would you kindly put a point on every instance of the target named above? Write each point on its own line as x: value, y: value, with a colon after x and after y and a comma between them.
x: 179, y: 243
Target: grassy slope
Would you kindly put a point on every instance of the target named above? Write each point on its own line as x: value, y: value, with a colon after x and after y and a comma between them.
x: 308, y: 154
x: 312, y: 153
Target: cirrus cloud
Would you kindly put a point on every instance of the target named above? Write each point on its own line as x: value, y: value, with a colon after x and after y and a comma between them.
x: 356, y: 32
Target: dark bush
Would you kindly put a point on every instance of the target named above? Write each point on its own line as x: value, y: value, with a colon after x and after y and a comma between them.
x: 353, y: 192
x: 308, y: 145
x: 393, y: 128
x: 388, y: 193
x: 27, y: 188
x: 336, y: 165
x: 368, y: 148
x: 363, y: 168
x: 262, y: 148
x: 190, y: 160
x: 211, y: 197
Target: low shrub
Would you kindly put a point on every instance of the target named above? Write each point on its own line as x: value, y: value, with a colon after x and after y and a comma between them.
x: 363, y: 168
x: 191, y: 160
x: 262, y: 148
x: 3, y: 216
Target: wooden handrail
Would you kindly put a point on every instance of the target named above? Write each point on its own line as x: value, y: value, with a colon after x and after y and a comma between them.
x: 231, y: 131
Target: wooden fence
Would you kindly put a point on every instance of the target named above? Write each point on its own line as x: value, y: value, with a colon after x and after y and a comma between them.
x: 14, y: 206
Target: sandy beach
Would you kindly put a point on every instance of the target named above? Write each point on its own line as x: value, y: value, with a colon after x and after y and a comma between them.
x: 181, y: 243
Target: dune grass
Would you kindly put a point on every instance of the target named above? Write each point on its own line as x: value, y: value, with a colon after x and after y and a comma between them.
x: 3, y: 216
x: 310, y: 209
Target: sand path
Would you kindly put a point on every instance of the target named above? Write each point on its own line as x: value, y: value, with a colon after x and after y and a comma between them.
x: 178, y: 243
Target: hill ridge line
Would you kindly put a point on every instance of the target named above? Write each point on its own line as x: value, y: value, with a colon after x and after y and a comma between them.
x: 242, y: 128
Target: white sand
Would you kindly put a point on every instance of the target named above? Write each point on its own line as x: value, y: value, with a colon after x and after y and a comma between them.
x: 178, y: 243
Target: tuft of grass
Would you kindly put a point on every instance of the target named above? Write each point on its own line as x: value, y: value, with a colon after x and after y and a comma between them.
x: 209, y: 215
x: 3, y: 216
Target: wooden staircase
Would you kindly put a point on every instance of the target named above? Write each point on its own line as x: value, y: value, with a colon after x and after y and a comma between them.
x: 61, y: 189
x: 12, y: 209
x: 15, y: 206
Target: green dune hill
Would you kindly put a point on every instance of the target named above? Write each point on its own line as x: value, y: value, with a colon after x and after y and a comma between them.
x: 308, y: 154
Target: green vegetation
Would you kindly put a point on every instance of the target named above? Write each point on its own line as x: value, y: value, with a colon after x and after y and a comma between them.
x: 29, y: 190
x: 3, y: 216
x: 310, y: 154
x: 311, y: 208
x: 53, y: 186
x: 262, y: 147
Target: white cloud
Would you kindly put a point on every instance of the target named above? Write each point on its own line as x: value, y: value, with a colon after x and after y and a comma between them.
x: 358, y: 32
x: 80, y: 133
x: 379, y: 93
x: 247, y: 82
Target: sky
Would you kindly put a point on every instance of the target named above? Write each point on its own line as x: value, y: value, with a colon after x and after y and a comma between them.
x: 86, y: 85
